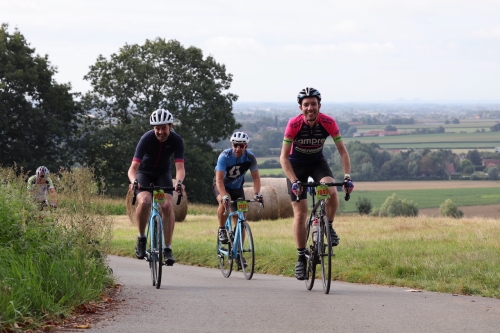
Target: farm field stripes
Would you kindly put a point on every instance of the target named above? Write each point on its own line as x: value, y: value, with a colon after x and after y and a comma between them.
x: 425, y: 185
x: 428, y: 198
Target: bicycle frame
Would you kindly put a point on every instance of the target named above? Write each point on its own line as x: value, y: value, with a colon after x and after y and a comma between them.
x: 237, y: 246
x: 320, y: 249
x: 155, y: 232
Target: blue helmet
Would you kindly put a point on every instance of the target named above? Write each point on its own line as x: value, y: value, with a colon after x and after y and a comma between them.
x: 308, y: 92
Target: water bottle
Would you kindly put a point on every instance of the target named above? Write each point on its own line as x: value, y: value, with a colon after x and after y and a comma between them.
x: 315, y: 228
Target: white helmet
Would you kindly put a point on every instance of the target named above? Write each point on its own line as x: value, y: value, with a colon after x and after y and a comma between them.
x: 42, y: 172
x: 240, y: 137
x: 161, y: 117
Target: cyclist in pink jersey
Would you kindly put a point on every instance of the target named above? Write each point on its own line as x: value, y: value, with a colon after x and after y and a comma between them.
x: 302, y: 157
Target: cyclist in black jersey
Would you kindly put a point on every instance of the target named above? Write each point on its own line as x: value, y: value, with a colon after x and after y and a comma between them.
x: 151, y: 164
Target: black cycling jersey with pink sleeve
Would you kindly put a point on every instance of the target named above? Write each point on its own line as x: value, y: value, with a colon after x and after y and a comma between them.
x: 154, y: 155
x: 307, y: 142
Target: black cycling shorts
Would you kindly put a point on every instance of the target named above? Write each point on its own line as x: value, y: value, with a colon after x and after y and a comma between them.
x: 317, y: 170
x: 234, y: 194
x: 145, y: 178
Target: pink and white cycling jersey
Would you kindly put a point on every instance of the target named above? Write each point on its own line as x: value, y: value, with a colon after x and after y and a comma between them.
x: 307, y: 143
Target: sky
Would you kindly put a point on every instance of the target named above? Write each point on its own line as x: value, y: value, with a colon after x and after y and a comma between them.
x: 351, y: 51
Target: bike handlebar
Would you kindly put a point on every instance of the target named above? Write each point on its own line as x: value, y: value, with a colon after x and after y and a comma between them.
x: 234, y: 201
x: 314, y: 184
x: 151, y: 188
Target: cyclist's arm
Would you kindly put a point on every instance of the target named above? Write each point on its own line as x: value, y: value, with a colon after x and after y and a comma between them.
x: 219, y: 182
x: 256, y: 181
x: 180, y: 172
x: 132, y: 171
x: 344, y: 157
x: 285, y: 162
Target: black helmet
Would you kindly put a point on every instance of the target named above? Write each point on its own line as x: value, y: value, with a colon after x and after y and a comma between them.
x: 308, y: 92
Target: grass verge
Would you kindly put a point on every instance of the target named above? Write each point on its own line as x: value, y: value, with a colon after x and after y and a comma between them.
x: 52, y: 261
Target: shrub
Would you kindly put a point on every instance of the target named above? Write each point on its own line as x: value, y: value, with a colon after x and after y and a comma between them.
x: 393, y: 206
x: 364, y: 206
x: 448, y: 208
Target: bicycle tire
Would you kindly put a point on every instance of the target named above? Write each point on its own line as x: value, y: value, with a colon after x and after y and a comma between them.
x: 150, y: 253
x: 225, y: 256
x: 311, y: 260
x: 158, y: 250
x: 246, y: 251
x: 325, y: 246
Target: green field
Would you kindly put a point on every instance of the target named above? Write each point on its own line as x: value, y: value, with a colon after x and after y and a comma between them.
x: 434, y: 141
x: 427, y: 198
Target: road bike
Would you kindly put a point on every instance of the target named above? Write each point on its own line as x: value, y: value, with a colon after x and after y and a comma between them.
x: 155, y: 243
x: 319, y: 249
x: 240, y: 241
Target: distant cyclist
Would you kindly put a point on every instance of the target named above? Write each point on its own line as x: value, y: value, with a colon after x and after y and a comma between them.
x: 151, y: 164
x: 301, y: 157
x: 232, y: 165
x: 39, y: 184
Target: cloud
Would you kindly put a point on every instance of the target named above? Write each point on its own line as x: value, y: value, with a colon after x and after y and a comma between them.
x: 235, y: 45
x: 488, y: 33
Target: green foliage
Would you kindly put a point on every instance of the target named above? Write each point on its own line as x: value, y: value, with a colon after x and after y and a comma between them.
x: 393, y: 206
x: 364, y: 206
x: 448, y: 208
x: 158, y: 74
x: 474, y: 157
x: 493, y: 173
x: 37, y: 115
x: 466, y: 166
x: 52, y: 261
x: 495, y: 128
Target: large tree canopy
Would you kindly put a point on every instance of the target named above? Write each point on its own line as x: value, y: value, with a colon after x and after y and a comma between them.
x: 159, y: 74
x: 37, y: 115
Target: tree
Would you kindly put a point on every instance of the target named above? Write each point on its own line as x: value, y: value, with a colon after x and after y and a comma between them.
x: 160, y: 74
x: 495, y: 128
x: 493, y: 173
x: 37, y: 115
x: 474, y: 157
x: 390, y: 128
x: 466, y: 166
x: 455, y: 121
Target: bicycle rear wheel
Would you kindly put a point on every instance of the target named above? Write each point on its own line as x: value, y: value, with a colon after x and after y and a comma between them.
x: 246, y: 251
x: 325, y: 246
x: 224, y: 255
x: 311, y: 257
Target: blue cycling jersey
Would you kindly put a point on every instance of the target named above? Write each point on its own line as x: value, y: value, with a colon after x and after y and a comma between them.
x: 235, y: 168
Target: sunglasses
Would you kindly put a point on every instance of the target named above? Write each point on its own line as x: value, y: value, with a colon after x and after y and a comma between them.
x: 239, y: 145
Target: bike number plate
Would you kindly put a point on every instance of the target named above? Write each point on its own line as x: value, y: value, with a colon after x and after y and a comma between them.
x: 242, y: 206
x: 322, y: 192
x: 159, y: 195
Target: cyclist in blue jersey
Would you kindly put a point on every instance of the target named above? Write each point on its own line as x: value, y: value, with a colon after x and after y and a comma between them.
x: 232, y: 165
x: 151, y: 164
x: 302, y: 157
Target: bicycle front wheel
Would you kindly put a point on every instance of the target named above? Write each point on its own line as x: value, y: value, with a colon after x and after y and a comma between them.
x: 311, y: 257
x: 156, y: 252
x: 224, y: 255
x: 325, y: 246
x: 246, y: 251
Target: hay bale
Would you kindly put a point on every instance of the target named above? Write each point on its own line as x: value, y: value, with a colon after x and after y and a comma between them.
x: 270, y: 211
x: 180, y: 211
x: 130, y: 208
x: 284, y: 203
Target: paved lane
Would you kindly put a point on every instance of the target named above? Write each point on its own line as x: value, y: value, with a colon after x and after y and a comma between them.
x: 195, y: 299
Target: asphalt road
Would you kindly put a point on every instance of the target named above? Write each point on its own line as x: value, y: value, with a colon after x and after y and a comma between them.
x: 195, y: 299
